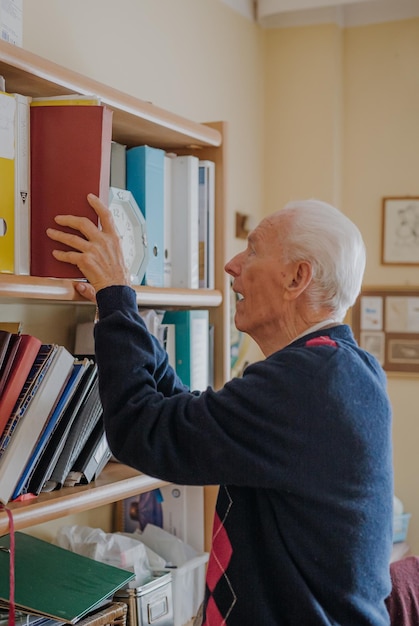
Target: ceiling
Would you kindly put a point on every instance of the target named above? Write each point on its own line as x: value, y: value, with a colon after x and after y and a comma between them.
x: 283, y: 13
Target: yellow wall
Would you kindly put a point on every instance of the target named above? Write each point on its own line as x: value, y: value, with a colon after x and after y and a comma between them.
x: 343, y: 119
x: 382, y: 159
x: 337, y: 118
x: 304, y: 82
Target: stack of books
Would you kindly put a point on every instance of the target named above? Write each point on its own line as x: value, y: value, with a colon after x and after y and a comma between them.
x: 51, y: 418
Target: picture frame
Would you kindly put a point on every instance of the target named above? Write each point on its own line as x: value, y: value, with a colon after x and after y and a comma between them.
x: 385, y: 322
x: 400, y: 231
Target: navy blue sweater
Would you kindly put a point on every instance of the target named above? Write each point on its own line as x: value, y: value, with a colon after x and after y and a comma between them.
x: 301, y: 446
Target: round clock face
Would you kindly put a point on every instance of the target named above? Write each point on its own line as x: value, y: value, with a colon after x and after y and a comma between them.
x: 131, y: 226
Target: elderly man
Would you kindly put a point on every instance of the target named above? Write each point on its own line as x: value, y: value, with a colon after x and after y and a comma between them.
x: 300, y: 445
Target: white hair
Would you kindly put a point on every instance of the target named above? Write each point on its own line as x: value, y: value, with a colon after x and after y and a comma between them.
x: 320, y: 234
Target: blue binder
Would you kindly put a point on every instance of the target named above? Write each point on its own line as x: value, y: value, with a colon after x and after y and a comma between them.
x: 145, y: 180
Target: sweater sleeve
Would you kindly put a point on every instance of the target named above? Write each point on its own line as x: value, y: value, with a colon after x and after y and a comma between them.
x: 122, y: 328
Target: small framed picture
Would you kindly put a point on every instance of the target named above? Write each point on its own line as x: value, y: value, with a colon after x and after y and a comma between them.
x: 400, y: 234
x: 385, y: 322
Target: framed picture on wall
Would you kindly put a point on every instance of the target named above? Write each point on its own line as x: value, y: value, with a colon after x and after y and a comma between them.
x: 400, y: 234
x: 385, y: 322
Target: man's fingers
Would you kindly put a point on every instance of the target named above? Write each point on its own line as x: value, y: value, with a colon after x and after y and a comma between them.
x: 103, y: 212
x: 67, y: 256
x: 69, y: 239
x: 86, y: 290
x: 82, y: 224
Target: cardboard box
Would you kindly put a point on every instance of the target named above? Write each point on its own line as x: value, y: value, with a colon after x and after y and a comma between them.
x: 11, y: 21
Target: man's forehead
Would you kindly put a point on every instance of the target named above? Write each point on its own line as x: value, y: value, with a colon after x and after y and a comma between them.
x: 270, y: 224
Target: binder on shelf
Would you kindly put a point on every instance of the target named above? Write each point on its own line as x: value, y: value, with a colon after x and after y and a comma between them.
x: 7, y: 182
x: 23, y: 352
x: 5, y: 338
x: 92, y: 458
x: 118, y: 172
x: 206, y: 223
x: 51, y: 452
x: 191, y: 346
x: 84, y: 423
x: 9, y: 353
x: 37, y: 372
x: 22, y: 185
x: 31, y: 422
x: 55, y: 582
x: 79, y: 368
x: 185, y: 215
x: 183, y: 513
x: 167, y: 220
x: 145, y: 180
x: 70, y: 157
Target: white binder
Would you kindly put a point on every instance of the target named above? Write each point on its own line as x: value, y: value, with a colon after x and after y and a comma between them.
x: 206, y: 223
x: 185, y: 215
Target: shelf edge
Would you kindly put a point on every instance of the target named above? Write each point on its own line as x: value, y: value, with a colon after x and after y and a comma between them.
x: 72, y: 500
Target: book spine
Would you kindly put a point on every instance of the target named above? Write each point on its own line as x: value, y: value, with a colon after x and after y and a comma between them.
x: 185, y: 216
x: 206, y: 224
x: 191, y: 346
x: 145, y: 179
x: 22, y: 186
x: 30, y: 387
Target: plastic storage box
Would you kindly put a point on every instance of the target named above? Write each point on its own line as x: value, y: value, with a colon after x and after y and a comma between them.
x: 188, y: 582
x: 400, y: 527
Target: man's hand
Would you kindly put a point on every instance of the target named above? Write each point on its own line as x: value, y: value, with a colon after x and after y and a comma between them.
x: 97, y: 253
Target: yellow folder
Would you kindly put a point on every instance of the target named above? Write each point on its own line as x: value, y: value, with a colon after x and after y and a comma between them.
x: 7, y: 185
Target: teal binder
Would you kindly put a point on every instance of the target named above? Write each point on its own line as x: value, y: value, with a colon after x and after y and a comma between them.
x: 191, y: 346
x: 145, y: 180
x: 55, y: 582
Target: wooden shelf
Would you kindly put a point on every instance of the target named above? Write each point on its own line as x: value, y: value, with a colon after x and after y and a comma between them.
x: 116, y: 482
x: 62, y: 290
x: 135, y: 121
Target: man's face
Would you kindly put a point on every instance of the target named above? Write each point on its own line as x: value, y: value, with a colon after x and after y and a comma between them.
x: 260, y: 277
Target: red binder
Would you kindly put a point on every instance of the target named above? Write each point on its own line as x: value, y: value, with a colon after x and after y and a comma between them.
x: 70, y: 157
x: 26, y: 354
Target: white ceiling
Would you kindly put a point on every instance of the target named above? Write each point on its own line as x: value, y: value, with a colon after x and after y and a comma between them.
x: 283, y: 13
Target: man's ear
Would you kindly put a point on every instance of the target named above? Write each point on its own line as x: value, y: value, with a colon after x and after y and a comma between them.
x: 299, y: 279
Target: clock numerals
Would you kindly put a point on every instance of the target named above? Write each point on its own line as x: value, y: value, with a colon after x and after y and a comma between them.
x: 130, y: 225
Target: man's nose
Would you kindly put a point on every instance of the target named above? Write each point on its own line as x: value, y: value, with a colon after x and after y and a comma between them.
x: 232, y: 267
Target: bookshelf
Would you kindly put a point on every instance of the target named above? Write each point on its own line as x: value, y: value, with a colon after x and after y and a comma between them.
x: 135, y: 122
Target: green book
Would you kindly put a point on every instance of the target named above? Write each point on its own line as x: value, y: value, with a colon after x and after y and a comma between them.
x: 55, y: 582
